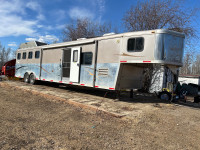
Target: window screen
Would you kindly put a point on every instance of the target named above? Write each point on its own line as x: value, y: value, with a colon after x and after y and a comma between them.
x: 75, y: 55
x: 24, y: 55
x: 37, y: 54
x: 86, y: 58
x: 19, y: 56
x: 135, y: 44
x: 30, y: 55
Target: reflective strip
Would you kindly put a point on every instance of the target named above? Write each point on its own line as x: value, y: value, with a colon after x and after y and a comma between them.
x: 43, y: 79
x: 96, y: 86
x: 51, y: 80
x: 123, y: 61
x: 111, y: 88
x: 82, y: 84
x: 36, y: 78
x: 70, y: 83
x: 60, y: 81
x: 146, y: 61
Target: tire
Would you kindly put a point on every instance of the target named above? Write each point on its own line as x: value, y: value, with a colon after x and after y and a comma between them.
x: 26, y: 78
x: 165, y: 95
x: 32, y: 79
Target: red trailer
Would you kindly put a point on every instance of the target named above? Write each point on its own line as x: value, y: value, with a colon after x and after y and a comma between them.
x: 8, y: 68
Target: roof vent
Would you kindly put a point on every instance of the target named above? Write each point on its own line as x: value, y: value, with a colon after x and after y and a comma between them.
x: 81, y: 39
x: 107, y: 34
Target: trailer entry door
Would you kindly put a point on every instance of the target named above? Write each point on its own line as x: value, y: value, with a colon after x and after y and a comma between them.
x: 75, y: 64
x: 66, y: 65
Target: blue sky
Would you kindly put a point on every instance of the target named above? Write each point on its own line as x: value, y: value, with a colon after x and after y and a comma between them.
x: 43, y: 20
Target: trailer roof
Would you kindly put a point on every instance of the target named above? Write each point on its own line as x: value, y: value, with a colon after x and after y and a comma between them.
x: 31, y: 44
x: 108, y: 36
x: 189, y: 76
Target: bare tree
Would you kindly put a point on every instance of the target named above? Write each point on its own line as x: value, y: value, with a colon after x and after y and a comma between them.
x: 84, y: 28
x: 197, y: 65
x: 191, y: 64
x: 4, y: 55
x: 159, y: 14
x: 187, y: 62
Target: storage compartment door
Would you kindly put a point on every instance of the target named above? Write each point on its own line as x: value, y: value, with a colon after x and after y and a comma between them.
x: 75, y: 64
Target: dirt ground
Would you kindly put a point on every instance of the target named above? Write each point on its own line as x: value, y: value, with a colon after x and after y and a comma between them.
x: 31, y: 121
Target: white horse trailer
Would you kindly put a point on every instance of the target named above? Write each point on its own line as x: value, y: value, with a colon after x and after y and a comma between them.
x: 113, y: 62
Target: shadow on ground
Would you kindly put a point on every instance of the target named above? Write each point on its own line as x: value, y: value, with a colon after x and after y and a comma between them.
x: 138, y: 97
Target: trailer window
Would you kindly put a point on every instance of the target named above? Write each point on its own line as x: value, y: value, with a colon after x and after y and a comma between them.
x: 75, y: 56
x: 24, y: 55
x: 86, y: 58
x: 37, y: 54
x: 135, y: 44
x: 19, y: 56
x: 7, y: 68
x: 30, y: 55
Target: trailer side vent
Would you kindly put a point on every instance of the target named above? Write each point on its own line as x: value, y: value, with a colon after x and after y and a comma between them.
x: 103, y: 72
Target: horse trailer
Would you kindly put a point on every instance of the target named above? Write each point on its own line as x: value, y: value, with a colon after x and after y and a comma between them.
x: 113, y: 61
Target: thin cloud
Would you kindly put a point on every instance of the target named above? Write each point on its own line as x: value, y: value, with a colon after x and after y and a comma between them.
x: 49, y: 27
x: 11, y: 6
x: 59, y: 15
x: 93, y: 9
x: 48, y: 39
x: 40, y: 26
x: 44, y: 39
x: 33, y: 5
x: 41, y: 17
x: 31, y: 39
x: 101, y: 8
x: 13, y: 14
x: 12, y: 44
x: 55, y: 27
x: 77, y: 12
x: 60, y: 26
x: 13, y: 25
x: 101, y: 5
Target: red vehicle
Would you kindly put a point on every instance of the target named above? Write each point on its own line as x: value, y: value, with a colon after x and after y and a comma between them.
x: 8, y: 68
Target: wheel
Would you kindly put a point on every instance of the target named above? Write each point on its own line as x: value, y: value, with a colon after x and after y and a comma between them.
x: 26, y: 78
x: 32, y: 79
x: 165, y: 95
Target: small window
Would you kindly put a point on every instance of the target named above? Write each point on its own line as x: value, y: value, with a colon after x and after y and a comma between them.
x: 30, y: 55
x: 19, y: 56
x: 8, y: 67
x: 135, y: 44
x: 86, y: 58
x: 37, y: 54
x: 75, y: 56
x: 24, y: 55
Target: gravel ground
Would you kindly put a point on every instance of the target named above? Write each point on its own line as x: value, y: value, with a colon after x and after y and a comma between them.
x: 30, y: 121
